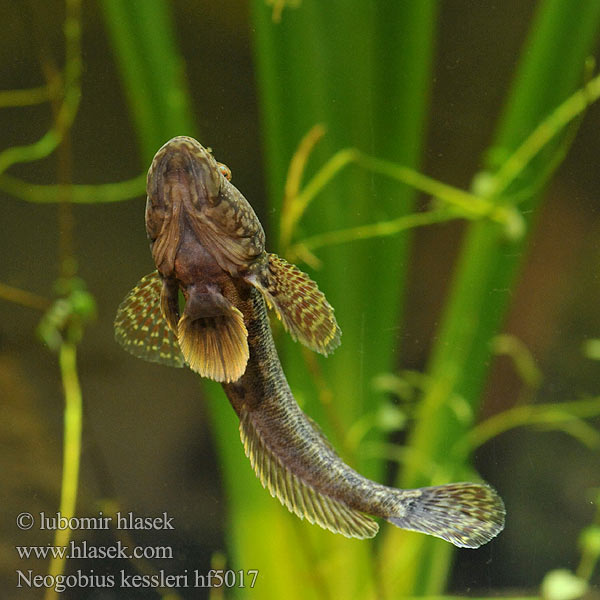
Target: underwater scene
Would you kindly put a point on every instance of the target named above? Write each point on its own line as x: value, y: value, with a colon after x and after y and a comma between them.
x: 300, y: 299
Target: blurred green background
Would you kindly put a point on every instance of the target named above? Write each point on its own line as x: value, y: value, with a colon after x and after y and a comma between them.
x: 422, y: 84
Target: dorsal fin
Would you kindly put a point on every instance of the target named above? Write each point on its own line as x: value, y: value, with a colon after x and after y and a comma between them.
x: 297, y: 496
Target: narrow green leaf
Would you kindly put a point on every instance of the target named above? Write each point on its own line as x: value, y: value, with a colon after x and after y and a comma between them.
x: 552, y: 65
x: 152, y: 70
x: 362, y: 71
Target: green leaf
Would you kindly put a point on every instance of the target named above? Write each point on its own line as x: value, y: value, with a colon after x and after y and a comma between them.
x: 561, y: 584
x: 551, y: 67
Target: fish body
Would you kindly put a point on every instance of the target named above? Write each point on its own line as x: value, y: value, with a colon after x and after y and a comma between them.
x: 207, y: 242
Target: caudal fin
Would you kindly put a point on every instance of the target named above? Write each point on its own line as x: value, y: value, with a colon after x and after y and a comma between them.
x: 467, y: 515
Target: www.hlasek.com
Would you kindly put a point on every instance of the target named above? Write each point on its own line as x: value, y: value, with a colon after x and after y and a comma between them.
x: 29, y: 578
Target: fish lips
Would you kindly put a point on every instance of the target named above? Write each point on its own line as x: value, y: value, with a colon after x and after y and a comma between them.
x: 183, y: 161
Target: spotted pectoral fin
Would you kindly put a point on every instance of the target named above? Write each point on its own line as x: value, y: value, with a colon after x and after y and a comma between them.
x: 298, y: 496
x: 298, y: 302
x: 141, y: 328
x: 213, y: 337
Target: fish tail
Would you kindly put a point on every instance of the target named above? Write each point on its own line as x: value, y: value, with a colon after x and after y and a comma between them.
x: 467, y: 515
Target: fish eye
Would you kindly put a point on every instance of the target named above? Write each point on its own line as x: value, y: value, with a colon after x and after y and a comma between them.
x: 225, y: 171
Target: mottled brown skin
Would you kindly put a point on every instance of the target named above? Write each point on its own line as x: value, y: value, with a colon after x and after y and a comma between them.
x: 207, y: 241
x: 264, y: 393
x: 188, y: 200
x: 192, y: 207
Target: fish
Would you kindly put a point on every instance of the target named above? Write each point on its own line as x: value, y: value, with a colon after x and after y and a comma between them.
x: 206, y: 307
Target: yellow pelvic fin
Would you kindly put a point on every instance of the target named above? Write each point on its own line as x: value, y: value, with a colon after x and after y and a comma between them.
x: 215, y: 347
x: 141, y: 328
x: 296, y: 495
x: 298, y: 302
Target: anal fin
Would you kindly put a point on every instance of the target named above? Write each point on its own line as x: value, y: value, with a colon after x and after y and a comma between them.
x: 296, y: 495
x: 298, y: 302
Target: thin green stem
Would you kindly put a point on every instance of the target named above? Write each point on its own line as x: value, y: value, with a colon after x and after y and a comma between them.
x: 293, y: 180
x: 543, y: 134
x: 590, y: 542
x: 63, y: 119
x: 23, y: 297
x: 325, y: 174
x: 469, y: 205
x: 372, y: 230
x: 72, y: 94
x: 467, y: 202
x: 78, y: 194
x: 523, y: 360
x: 71, y: 451
x: 536, y: 414
x: 30, y: 153
x: 30, y: 97
x: 587, y: 564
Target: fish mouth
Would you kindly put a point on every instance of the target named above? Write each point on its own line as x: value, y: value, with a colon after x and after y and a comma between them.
x: 183, y: 161
x: 183, y: 180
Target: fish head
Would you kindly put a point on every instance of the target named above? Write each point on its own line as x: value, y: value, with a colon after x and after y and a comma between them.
x: 182, y: 170
x: 184, y: 180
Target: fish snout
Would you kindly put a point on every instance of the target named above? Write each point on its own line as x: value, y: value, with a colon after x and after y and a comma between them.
x: 183, y: 162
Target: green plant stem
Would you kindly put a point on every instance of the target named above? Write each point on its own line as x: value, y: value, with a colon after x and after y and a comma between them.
x: 560, y: 38
x: 373, y: 230
x: 541, y: 136
x: 469, y: 205
x: 152, y: 71
x: 587, y: 565
x: 522, y: 359
x: 519, y: 416
x: 29, y: 97
x: 71, y: 452
x: 71, y: 97
x: 289, y: 207
x: 23, y: 298
x: 77, y: 193
x: 590, y: 553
